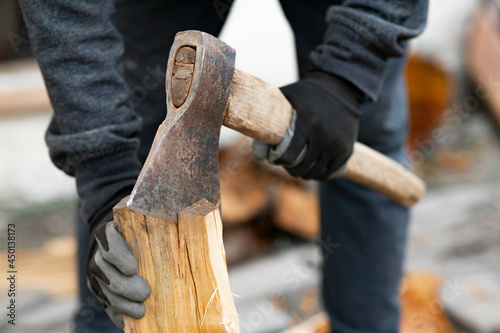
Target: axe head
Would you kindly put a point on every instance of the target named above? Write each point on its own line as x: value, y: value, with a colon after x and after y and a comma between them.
x: 183, y: 164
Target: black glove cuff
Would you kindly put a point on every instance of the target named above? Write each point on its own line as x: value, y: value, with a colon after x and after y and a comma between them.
x: 98, y: 181
x: 337, y: 83
x: 104, y: 215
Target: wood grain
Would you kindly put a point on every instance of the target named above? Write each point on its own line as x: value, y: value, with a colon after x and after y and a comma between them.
x: 257, y: 109
x: 185, y: 266
x: 380, y: 173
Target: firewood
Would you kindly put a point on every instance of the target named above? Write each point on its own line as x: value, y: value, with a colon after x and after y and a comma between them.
x: 296, y: 210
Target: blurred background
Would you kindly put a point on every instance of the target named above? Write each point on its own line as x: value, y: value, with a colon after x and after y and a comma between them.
x: 452, y: 281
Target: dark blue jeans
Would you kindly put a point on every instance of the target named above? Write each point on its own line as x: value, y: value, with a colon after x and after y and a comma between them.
x: 362, y: 275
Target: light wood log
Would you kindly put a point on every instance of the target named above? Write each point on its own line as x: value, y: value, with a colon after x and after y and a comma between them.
x: 184, y: 263
x: 259, y: 110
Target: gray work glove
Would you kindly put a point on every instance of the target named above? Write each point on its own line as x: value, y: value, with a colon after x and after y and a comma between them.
x: 112, y: 276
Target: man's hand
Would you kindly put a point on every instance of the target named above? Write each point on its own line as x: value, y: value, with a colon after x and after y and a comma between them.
x: 112, y: 276
x: 323, y: 130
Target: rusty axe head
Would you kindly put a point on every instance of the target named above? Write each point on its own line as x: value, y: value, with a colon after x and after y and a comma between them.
x: 183, y: 164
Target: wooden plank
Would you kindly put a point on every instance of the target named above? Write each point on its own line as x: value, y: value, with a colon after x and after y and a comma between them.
x: 185, y: 265
x: 50, y: 269
x: 22, y: 89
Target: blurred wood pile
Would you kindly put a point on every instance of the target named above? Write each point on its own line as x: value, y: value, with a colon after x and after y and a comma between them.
x: 52, y: 270
x: 421, y: 309
x: 258, y: 200
x: 430, y: 91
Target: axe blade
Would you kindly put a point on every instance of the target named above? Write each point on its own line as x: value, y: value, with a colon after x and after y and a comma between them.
x: 183, y: 164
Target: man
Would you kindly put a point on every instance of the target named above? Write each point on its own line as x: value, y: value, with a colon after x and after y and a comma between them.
x: 104, y: 71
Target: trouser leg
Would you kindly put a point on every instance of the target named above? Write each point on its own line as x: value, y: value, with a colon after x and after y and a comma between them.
x: 361, y: 275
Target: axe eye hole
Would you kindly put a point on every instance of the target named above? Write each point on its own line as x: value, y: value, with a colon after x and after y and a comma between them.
x: 182, y: 74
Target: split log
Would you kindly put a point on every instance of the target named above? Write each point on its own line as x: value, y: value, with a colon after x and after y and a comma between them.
x: 184, y: 263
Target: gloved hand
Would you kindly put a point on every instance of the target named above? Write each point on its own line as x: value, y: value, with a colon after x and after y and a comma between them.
x: 112, y: 276
x: 323, y: 129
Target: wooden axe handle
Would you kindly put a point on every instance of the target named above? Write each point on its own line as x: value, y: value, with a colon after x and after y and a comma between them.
x: 259, y: 109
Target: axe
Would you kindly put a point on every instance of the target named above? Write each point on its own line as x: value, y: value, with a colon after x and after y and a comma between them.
x: 172, y: 221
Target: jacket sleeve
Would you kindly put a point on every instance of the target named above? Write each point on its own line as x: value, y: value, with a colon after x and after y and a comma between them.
x: 363, y: 34
x: 93, y: 133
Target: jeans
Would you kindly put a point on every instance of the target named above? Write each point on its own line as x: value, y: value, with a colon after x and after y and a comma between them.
x: 361, y: 276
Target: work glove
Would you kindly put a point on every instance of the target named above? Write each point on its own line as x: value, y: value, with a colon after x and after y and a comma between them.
x: 323, y: 129
x: 112, y: 276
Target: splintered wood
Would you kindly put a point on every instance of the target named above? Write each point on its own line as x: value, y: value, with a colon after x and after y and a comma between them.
x: 185, y: 266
